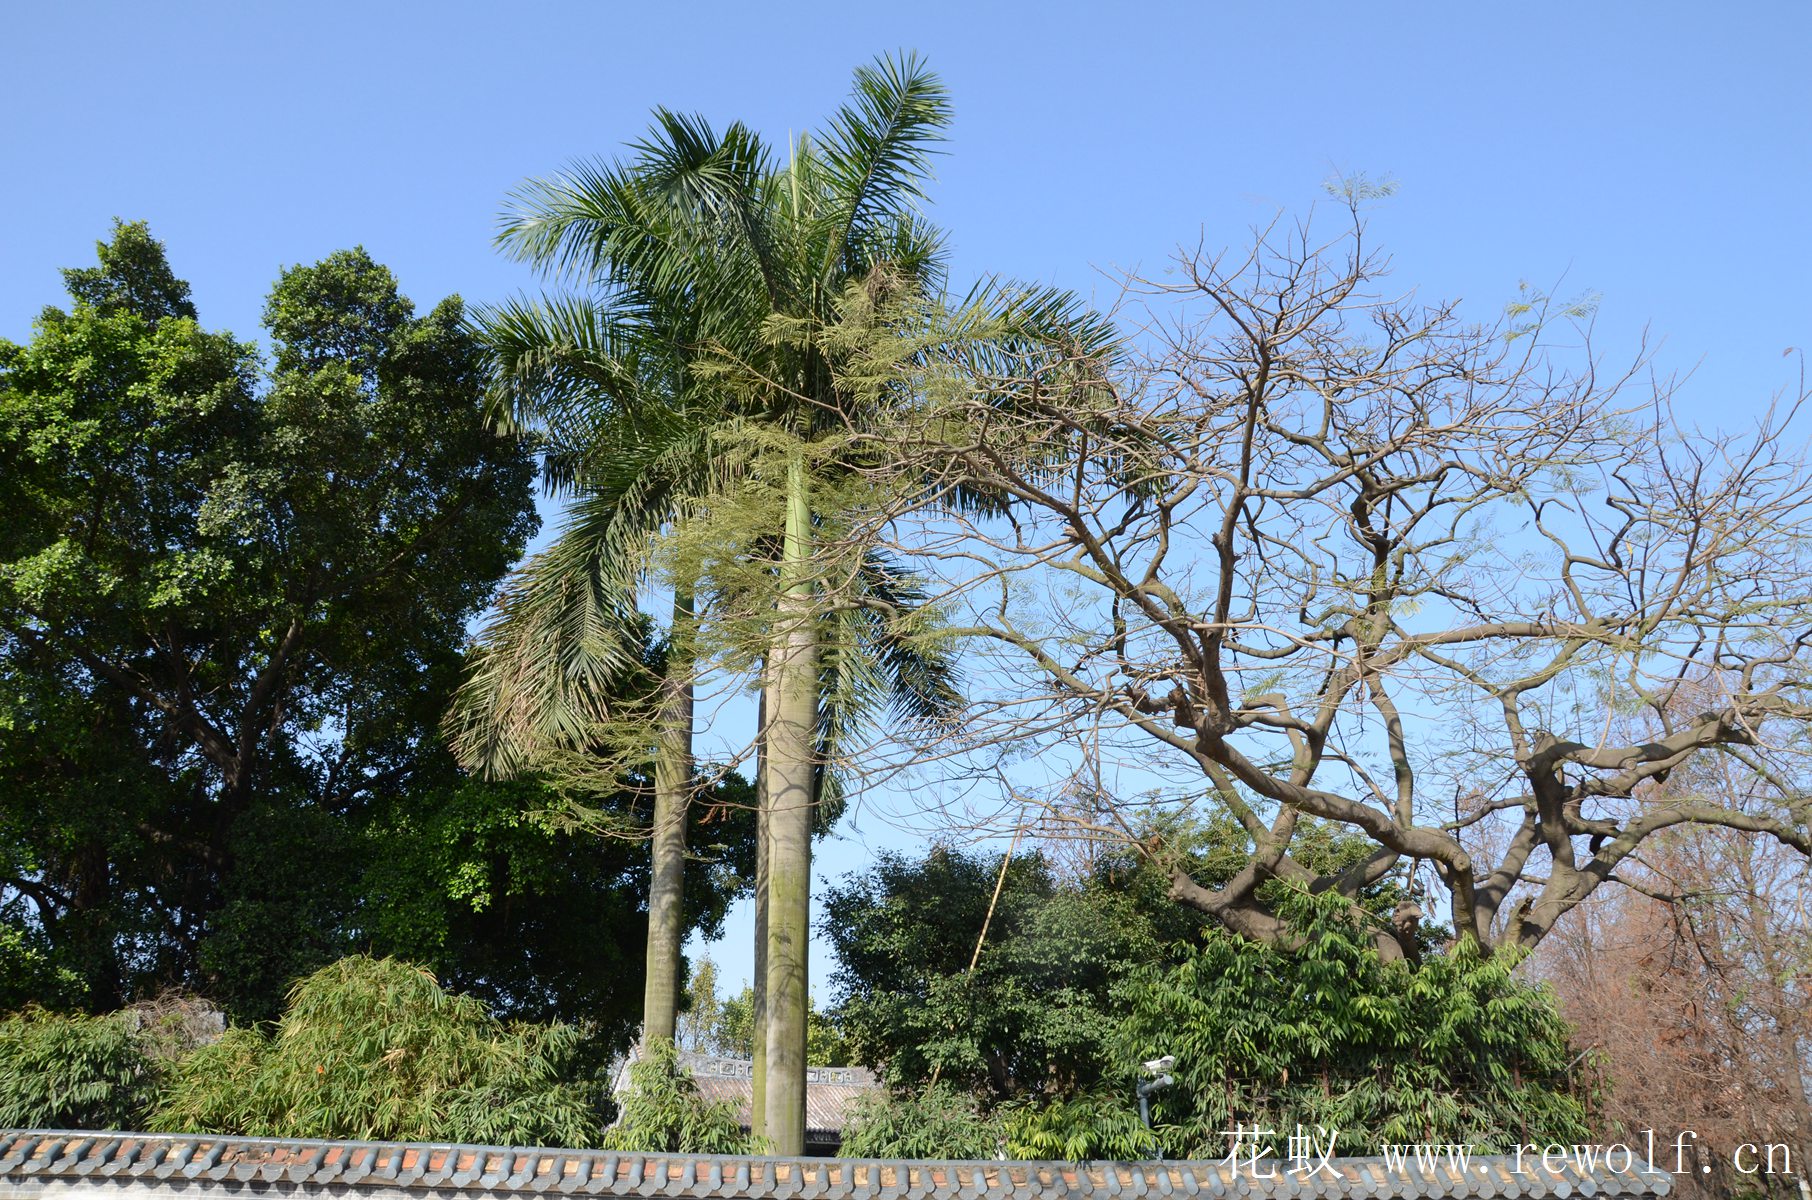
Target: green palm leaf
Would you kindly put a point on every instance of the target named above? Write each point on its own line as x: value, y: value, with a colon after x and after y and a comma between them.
x: 877, y: 156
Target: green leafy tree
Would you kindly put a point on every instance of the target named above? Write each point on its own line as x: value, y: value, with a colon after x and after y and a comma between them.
x: 735, y: 1032
x: 1454, y: 1048
x: 998, y: 975
x: 28, y: 974
x: 1031, y: 1017
x: 487, y: 884
x: 700, y: 1026
x: 376, y: 1049
x: 232, y: 601
x: 1080, y: 978
x: 291, y: 902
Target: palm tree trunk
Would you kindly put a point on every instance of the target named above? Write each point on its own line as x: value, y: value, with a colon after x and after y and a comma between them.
x: 758, y: 1106
x: 672, y: 787
x: 792, y: 736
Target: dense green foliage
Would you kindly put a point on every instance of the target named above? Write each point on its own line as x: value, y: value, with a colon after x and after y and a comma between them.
x: 232, y: 600
x: 487, y: 885
x: 661, y: 1111
x: 1102, y: 1123
x: 1079, y: 980
x: 29, y: 976
x: 60, y: 1072
x: 1035, y: 1015
x: 375, y: 1048
x: 939, y: 1122
x: 1455, y: 1048
x: 1032, y: 1018
x: 368, y: 1048
x: 233, y: 605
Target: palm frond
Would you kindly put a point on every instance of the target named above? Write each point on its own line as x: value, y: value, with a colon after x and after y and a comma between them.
x: 921, y: 675
x: 877, y: 153
x: 543, y: 675
x: 717, y: 189
x: 1033, y: 321
x: 555, y: 359
x: 881, y: 661
x: 670, y: 234
x: 565, y: 223
x: 566, y: 636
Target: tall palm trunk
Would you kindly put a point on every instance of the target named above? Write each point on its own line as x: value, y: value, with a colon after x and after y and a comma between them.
x: 758, y: 1107
x: 792, y: 735
x: 672, y: 787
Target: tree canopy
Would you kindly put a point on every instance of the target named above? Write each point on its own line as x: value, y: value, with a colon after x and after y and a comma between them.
x: 234, y: 593
x: 1031, y: 1036
x: 1314, y: 551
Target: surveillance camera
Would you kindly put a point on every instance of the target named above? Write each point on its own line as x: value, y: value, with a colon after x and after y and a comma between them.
x: 1159, y: 1066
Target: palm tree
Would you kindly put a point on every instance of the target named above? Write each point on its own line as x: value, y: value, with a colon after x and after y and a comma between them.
x: 552, y: 668
x: 688, y: 251
x: 711, y: 271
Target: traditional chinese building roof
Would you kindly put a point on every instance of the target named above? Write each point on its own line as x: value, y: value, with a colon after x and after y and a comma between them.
x: 830, y: 1093
x: 46, y: 1165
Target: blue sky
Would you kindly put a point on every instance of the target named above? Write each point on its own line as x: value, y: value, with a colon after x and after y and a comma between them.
x: 1658, y: 154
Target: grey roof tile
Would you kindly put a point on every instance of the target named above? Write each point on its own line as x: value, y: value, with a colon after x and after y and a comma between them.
x: 204, y: 1160
x: 589, y: 1177
x: 28, y: 1157
x: 303, y: 1166
x: 467, y: 1165
x: 411, y: 1165
x: 519, y: 1170
x: 128, y: 1153
x: 75, y: 1153
x: 356, y: 1164
x: 171, y: 1161
x: 439, y: 1166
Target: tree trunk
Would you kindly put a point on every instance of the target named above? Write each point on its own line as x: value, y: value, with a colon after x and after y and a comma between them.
x: 758, y: 1105
x: 792, y: 735
x: 667, y: 873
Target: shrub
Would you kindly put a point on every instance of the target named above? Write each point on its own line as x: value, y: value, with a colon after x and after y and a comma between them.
x: 1455, y: 1048
x: 939, y: 1122
x: 662, y: 1112
x: 71, y: 1072
x: 376, y: 1049
x: 943, y: 1122
x: 1089, y: 1125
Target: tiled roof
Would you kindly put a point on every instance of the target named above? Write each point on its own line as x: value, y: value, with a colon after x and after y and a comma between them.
x: 33, y: 1162
x: 830, y: 1092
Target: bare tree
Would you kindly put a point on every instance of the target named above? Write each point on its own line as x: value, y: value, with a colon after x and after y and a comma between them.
x: 1308, y: 548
